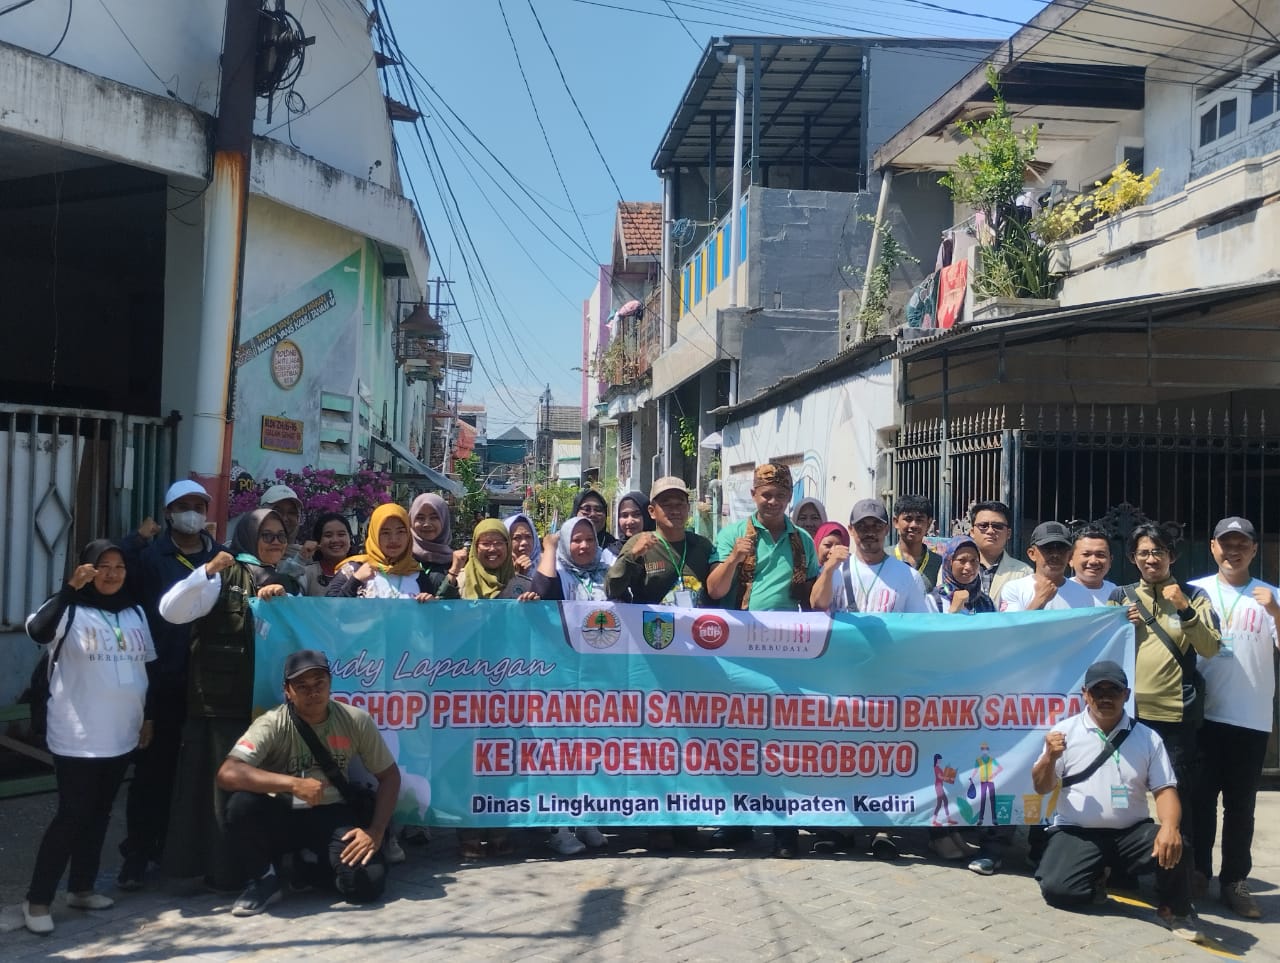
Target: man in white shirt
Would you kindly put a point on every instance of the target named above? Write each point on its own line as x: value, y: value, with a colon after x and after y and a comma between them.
x: 1048, y: 586
x: 868, y: 580
x: 1239, y: 689
x: 1091, y: 562
x: 1102, y: 821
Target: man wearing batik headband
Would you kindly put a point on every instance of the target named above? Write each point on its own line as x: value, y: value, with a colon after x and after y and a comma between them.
x: 765, y: 563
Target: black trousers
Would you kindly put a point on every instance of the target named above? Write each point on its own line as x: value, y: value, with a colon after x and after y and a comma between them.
x: 1074, y: 857
x: 1184, y: 755
x: 86, y: 790
x: 261, y: 829
x: 1231, y: 767
x: 154, y: 772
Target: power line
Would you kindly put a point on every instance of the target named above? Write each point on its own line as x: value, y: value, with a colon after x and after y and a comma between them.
x: 684, y: 26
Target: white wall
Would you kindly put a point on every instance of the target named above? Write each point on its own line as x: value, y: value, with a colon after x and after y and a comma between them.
x: 179, y: 43
x: 1167, y: 135
x: 833, y: 428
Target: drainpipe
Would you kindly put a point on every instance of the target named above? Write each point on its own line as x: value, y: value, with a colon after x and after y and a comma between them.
x: 873, y: 254
x: 735, y: 213
x: 669, y: 286
x: 226, y: 212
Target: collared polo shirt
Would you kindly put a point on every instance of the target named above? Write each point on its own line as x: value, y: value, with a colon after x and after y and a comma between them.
x: 771, y: 589
x: 1143, y: 766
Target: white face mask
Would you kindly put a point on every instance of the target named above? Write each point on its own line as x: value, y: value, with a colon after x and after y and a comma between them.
x: 188, y: 523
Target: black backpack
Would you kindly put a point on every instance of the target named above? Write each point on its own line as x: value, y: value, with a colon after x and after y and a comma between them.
x: 41, y: 676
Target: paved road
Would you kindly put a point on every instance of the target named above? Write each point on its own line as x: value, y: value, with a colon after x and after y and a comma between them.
x: 628, y: 904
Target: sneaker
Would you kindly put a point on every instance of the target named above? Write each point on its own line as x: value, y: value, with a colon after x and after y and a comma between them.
x: 1237, y: 898
x: 883, y: 847
x: 89, y: 901
x: 257, y: 896
x: 132, y: 870
x: 564, y: 842
x: 592, y: 836
x: 41, y: 924
x: 1187, y: 927
x: 983, y: 866
x: 392, y: 850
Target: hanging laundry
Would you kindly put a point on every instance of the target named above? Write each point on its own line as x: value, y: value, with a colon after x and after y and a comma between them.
x: 922, y: 306
x: 952, y: 282
x: 945, y: 250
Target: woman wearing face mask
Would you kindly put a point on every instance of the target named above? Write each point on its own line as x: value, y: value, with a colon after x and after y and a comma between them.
x: 633, y: 516
x: 959, y: 588
x: 100, y: 644
x: 591, y: 504
x: 572, y: 569
x: 432, y: 532
x: 332, y: 535
x: 387, y: 569
x: 215, y: 597
x: 526, y: 550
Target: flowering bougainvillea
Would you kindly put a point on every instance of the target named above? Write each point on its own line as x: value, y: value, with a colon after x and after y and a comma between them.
x: 323, y: 490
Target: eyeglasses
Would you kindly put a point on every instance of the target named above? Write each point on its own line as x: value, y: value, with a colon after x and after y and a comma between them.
x: 991, y: 526
x: 269, y: 537
x: 1151, y: 553
x: 591, y: 510
x: 1106, y: 690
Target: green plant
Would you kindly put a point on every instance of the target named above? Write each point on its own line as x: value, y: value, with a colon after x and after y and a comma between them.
x: 551, y: 503
x: 1121, y: 191
x: 993, y: 174
x: 1016, y: 266
x: 687, y: 435
x: 892, y: 255
x: 474, y: 502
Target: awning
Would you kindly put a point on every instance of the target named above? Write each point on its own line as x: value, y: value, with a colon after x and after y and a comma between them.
x: 417, y: 467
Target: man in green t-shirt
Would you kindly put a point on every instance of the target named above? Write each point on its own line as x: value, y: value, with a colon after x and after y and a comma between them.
x: 668, y: 566
x: 282, y: 802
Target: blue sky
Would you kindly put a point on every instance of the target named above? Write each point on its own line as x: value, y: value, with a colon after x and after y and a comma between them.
x: 627, y: 69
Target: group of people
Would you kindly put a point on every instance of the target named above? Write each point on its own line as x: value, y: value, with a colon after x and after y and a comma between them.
x: 162, y: 622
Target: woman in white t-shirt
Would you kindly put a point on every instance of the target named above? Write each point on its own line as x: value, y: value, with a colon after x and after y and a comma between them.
x: 387, y: 568
x: 99, y: 647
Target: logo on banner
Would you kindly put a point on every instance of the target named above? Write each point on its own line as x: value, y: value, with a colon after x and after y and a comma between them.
x: 601, y: 629
x: 659, y: 629
x: 710, y: 631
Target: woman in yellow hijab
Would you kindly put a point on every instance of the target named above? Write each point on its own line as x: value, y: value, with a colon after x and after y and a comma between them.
x: 386, y: 569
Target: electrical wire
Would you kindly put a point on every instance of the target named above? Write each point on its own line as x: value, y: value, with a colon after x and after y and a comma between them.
x: 16, y: 6
x: 71, y: 5
x: 683, y: 25
x: 129, y: 40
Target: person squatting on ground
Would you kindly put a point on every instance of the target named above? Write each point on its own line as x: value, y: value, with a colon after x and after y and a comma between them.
x: 99, y: 647
x: 285, y: 797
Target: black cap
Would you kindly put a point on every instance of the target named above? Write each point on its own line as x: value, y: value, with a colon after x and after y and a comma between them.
x: 1241, y: 526
x: 868, y: 508
x: 1105, y: 672
x: 1050, y: 533
x: 304, y: 661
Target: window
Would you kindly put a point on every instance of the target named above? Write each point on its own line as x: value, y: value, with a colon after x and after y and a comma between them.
x: 1241, y: 106
x: 1262, y: 102
x: 1218, y: 121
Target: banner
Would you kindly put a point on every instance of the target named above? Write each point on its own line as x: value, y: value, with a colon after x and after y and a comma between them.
x: 543, y: 714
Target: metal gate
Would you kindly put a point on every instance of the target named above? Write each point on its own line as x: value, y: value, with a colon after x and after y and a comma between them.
x: 68, y: 476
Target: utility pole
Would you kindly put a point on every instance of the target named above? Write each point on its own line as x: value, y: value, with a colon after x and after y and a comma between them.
x: 226, y: 212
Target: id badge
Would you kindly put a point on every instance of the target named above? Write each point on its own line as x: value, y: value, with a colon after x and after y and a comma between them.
x: 1228, y: 649
x: 1119, y: 797
x: 684, y: 599
x: 124, y: 672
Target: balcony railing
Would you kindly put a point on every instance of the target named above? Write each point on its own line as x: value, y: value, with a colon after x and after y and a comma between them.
x: 708, y: 266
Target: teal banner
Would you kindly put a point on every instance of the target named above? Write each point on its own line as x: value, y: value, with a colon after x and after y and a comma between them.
x: 542, y: 714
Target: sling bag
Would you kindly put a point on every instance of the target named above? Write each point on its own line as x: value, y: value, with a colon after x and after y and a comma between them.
x: 360, y: 800
x: 1192, y: 680
x: 1112, y: 746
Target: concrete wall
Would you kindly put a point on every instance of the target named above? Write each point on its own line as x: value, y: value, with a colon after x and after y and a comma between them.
x: 778, y: 344
x: 1166, y: 132
x: 1095, y: 159
x: 833, y: 429
x: 177, y: 57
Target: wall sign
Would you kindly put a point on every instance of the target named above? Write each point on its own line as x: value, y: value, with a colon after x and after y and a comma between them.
x: 281, y: 434
x: 286, y: 364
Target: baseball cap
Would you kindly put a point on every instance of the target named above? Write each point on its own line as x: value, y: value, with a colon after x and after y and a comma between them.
x: 667, y: 483
x: 278, y: 493
x: 1241, y: 526
x: 186, y: 486
x: 304, y: 661
x: 1105, y: 672
x: 868, y: 508
x: 1050, y: 533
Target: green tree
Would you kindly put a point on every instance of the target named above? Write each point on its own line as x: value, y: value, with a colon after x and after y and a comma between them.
x: 474, y: 502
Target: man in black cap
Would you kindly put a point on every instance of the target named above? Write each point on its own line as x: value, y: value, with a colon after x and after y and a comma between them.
x: 1106, y: 763
x: 1048, y: 586
x: 282, y: 800
x: 868, y: 579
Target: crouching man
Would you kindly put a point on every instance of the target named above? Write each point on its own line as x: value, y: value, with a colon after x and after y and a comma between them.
x: 1107, y: 762
x: 289, y: 793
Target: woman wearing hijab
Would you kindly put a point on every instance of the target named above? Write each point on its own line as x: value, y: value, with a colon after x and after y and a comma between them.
x: 215, y: 597
x: 487, y: 570
x: 809, y: 515
x: 100, y: 644
x: 387, y: 568
x: 591, y: 504
x: 572, y: 569
x: 526, y: 550
x: 633, y: 516
x: 333, y: 538
x: 432, y: 534
x: 959, y: 588
x: 829, y: 535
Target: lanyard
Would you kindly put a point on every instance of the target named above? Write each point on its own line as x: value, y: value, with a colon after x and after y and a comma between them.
x: 587, y: 584
x: 1115, y: 753
x: 1229, y: 613
x: 866, y: 589
x: 924, y: 557
x: 671, y: 554
x: 121, y: 644
x: 185, y: 561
